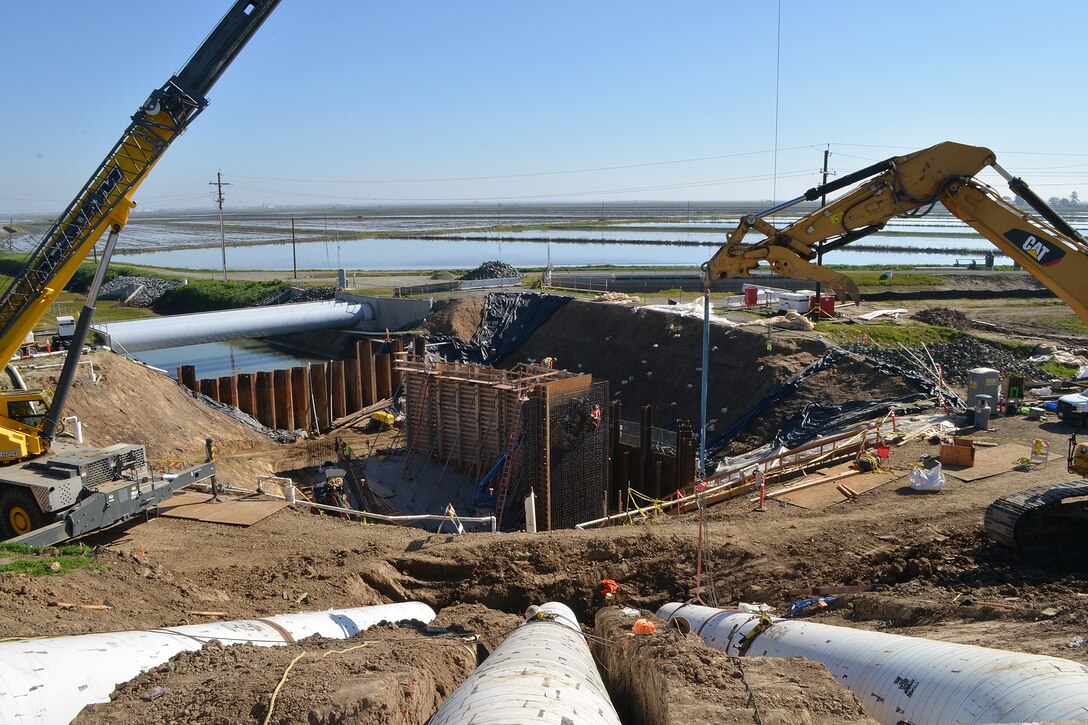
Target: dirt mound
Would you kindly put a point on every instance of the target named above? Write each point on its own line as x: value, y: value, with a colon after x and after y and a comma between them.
x: 654, y: 358
x: 132, y: 403
x: 388, y: 674
x: 457, y: 317
x: 942, y: 316
x: 668, y: 677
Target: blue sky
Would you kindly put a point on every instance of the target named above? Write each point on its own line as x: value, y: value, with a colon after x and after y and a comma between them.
x: 353, y: 102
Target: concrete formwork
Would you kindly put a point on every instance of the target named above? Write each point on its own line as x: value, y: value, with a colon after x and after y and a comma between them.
x: 470, y: 416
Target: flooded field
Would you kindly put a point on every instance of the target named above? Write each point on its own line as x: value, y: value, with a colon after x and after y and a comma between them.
x: 461, y: 237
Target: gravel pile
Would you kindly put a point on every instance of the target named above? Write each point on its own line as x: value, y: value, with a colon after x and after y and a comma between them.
x: 148, y: 289
x: 956, y: 358
x: 300, y: 294
x: 492, y: 270
x: 944, y: 317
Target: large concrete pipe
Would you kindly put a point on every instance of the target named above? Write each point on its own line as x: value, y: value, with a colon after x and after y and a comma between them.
x: 50, y: 680
x: 542, y: 673
x: 906, y: 679
x: 158, y: 332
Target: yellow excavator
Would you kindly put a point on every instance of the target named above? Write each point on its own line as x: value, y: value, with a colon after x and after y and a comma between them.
x: 41, y: 479
x: 1043, y: 243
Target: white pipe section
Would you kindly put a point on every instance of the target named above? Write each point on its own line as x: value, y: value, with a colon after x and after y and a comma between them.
x: 155, y: 333
x: 542, y: 673
x: 911, y: 679
x: 76, y: 426
x: 50, y: 680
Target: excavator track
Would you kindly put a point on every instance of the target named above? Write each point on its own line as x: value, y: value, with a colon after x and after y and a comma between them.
x: 1052, y: 516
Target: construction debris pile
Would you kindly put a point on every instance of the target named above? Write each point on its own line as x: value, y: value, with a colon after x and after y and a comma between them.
x: 955, y: 358
x: 492, y: 270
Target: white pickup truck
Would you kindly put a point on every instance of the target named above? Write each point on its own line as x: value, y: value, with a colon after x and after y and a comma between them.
x: 1073, y: 408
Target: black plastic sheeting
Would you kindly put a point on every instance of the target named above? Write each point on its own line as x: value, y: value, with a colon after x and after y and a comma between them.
x: 819, y: 418
x: 507, y: 320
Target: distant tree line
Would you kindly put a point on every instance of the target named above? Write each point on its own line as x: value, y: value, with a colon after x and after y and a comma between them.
x: 1055, y: 201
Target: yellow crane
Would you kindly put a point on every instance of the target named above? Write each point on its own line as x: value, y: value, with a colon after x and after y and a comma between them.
x: 56, y: 481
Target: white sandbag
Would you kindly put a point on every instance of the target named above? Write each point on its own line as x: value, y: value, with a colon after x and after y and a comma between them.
x: 928, y: 477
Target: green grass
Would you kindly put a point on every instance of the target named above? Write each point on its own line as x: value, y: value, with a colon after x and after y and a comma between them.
x: 39, y: 560
x: 898, y: 279
x: 888, y: 334
x: 203, y: 295
x: 1060, y: 370
x: 1062, y: 323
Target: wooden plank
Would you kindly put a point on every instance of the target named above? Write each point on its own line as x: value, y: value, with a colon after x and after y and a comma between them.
x: 243, y: 513
x: 566, y: 385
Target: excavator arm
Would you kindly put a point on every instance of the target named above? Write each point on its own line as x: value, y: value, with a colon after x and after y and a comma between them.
x: 1046, y: 245
x: 900, y: 186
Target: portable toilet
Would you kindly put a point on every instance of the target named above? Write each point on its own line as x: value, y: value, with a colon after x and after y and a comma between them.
x: 982, y: 381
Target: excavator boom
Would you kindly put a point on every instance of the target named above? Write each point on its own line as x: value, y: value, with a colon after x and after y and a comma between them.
x: 1043, y: 243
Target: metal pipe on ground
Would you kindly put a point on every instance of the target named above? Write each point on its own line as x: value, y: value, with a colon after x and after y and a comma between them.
x: 251, y: 322
x: 905, y: 679
x: 542, y: 672
x: 49, y: 680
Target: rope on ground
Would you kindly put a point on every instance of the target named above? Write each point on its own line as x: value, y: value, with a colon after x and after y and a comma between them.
x: 276, y: 692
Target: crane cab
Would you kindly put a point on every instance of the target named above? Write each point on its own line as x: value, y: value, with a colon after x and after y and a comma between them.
x: 21, y: 416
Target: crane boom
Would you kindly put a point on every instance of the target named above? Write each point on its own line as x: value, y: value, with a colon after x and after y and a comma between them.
x: 106, y: 199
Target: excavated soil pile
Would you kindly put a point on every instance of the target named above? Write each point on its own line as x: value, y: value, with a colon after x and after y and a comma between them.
x: 131, y: 403
x: 668, y: 677
x: 456, y: 317
x: 655, y: 358
x: 388, y: 674
x: 844, y: 382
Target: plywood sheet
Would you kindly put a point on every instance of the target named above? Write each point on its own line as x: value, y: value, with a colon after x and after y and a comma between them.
x: 989, y: 462
x: 233, y: 511
x: 822, y: 495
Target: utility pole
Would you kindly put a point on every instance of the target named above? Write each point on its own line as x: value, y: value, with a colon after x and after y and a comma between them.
x: 294, y: 252
x: 218, y: 183
x: 820, y: 247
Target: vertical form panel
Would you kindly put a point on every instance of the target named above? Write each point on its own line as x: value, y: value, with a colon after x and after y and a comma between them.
x: 300, y: 398
x: 210, y: 387
x: 384, y: 373
x: 247, y: 394
x: 354, y: 383
x: 266, y: 399
x: 187, y: 376
x: 339, y: 389
x: 319, y: 388
x: 284, y: 398
x: 398, y: 354
x: 228, y: 390
x: 419, y: 348
x: 545, y: 459
x: 645, y: 435
x: 364, y: 350
x: 616, y: 484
